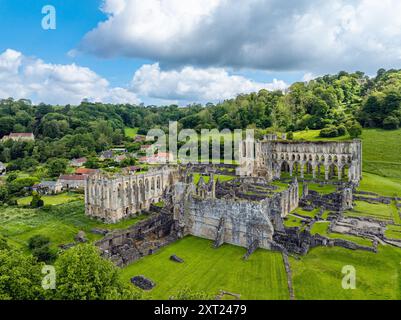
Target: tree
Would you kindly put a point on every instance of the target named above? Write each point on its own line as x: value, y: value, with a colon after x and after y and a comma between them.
x: 56, y: 167
x: 40, y: 248
x: 82, y: 274
x: 20, y: 276
x: 391, y: 122
x: 36, y: 201
x: 355, y: 130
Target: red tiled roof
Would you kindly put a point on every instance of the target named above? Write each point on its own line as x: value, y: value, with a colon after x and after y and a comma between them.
x: 81, y: 171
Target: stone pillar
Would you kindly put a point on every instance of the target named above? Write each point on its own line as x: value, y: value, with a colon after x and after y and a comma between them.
x: 314, y: 171
x: 302, y: 170
x: 339, y: 173
x: 326, y: 172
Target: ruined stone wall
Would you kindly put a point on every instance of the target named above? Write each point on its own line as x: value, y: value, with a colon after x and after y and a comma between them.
x: 112, y: 198
x: 270, y: 158
x: 144, y: 238
x: 239, y: 222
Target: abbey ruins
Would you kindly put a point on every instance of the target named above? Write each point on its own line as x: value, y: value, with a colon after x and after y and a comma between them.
x: 246, y: 211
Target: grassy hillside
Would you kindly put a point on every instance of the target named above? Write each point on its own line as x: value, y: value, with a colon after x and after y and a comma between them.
x: 60, y: 223
x: 381, y: 150
x: 211, y: 270
x: 318, y: 275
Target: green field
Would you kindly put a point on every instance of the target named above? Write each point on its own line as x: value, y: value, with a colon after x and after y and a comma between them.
x: 59, y: 223
x: 318, y: 275
x: 376, y: 211
x: 52, y: 200
x: 211, y: 270
x: 393, y: 232
x: 130, y: 132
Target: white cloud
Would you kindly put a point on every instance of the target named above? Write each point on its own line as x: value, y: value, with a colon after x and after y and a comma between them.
x: 195, y: 85
x: 313, y: 36
x: 25, y: 77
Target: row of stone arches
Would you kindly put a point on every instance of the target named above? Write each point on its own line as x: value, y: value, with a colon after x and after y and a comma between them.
x: 326, y: 171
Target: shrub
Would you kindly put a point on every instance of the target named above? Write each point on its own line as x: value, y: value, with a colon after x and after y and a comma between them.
x: 329, y: 132
x: 355, y: 130
x: 36, y: 201
x: 38, y: 241
x: 391, y: 122
x: 342, y: 130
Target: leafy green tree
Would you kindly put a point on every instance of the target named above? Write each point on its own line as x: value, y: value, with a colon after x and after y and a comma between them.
x: 20, y: 276
x: 36, y: 201
x: 56, y: 167
x: 355, y: 130
x: 82, y: 274
x: 391, y: 122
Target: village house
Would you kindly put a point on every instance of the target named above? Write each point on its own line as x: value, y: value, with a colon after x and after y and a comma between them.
x: 131, y: 169
x: 106, y: 155
x: 140, y: 138
x: 120, y: 158
x: 159, y: 158
x: 86, y: 171
x: 23, y: 136
x: 72, y: 181
x: 78, y: 162
x: 48, y: 187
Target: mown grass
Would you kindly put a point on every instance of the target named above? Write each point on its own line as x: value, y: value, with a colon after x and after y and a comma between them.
x: 52, y: 200
x: 393, y: 232
x: 130, y: 132
x: 59, y: 223
x: 322, y: 229
x: 221, y: 177
x: 211, y: 270
x: 377, y: 211
x: 318, y: 275
x: 381, y: 185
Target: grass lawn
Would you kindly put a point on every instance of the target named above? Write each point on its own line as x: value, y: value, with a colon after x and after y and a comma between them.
x: 210, y: 270
x: 304, y: 213
x: 320, y: 228
x: 318, y: 275
x: 378, y: 211
x: 292, y: 221
x: 384, y: 186
x: 59, y: 223
x: 130, y: 132
x: 222, y: 178
x: 53, y: 199
x: 323, y: 189
x: 393, y: 232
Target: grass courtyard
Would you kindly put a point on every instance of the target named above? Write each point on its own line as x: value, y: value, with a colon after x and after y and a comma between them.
x: 211, y: 270
x: 60, y: 223
x: 53, y: 200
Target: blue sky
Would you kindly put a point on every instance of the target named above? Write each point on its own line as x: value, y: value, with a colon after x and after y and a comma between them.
x: 172, y: 51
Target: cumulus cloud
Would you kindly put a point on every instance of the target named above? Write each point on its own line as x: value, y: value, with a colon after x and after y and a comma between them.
x: 195, y: 85
x: 25, y: 77
x: 315, y: 36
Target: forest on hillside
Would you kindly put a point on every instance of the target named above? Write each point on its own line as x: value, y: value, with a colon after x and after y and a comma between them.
x: 335, y: 104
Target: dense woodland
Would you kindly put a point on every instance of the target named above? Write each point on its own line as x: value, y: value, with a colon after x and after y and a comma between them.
x: 337, y: 104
